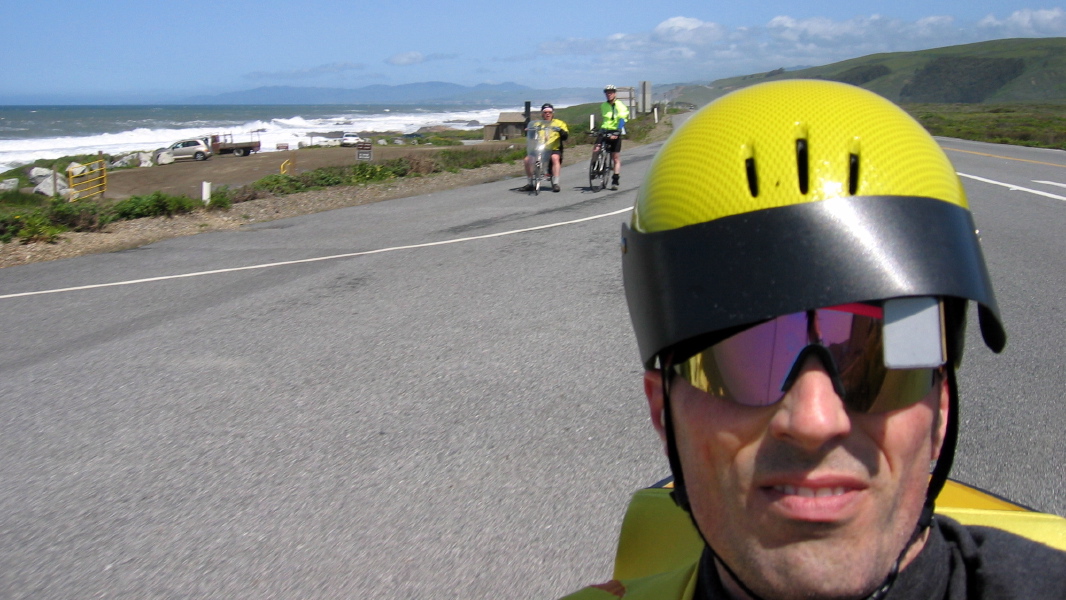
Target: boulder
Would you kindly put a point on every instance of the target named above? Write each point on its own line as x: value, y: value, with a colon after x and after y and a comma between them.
x: 45, y: 187
x: 38, y: 174
x: 126, y: 161
x: 75, y: 168
x: 163, y: 158
x: 9, y: 185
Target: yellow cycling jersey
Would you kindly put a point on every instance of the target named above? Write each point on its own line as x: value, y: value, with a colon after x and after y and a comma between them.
x: 611, y: 113
x: 555, y: 138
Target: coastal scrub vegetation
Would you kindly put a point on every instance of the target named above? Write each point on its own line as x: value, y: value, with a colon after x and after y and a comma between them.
x: 967, y: 79
x: 35, y: 218
x: 1038, y: 125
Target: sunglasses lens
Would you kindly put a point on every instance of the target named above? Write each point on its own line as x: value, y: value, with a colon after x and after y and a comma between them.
x: 755, y: 366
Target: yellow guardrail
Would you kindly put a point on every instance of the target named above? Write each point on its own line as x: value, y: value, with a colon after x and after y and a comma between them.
x: 287, y: 166
x: 88, y: 180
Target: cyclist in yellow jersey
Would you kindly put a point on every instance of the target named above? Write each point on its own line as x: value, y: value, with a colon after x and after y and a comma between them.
x: 613, y: 115
x: 559, y: 132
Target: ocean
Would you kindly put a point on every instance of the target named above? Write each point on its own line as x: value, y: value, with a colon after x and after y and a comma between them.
x: 28, y: 133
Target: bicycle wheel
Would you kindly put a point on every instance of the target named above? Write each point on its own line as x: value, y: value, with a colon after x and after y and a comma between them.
x: 593, y: 170
x: 597, y: 170
x: 605, y: 169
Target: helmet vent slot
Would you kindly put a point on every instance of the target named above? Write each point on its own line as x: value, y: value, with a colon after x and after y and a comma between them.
x: 802, y: 165
x: 753, y: 177
x: 853, y: 174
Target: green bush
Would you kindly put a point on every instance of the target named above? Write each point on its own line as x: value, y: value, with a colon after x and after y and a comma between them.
x: 84, y: 215
x: 221, y: 198
x: 156, y: 204
x: 38, y: 227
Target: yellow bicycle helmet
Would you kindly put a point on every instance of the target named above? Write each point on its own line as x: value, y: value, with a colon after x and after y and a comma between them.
x: 793, y: 195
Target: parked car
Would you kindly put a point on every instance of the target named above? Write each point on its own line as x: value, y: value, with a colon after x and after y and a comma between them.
x: 350, y: 139
x: 196, y: 149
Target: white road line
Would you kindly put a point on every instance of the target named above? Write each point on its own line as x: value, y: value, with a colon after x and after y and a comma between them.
x: 1013, y: 187
x: 1054, y: 183
x: 318, y: 259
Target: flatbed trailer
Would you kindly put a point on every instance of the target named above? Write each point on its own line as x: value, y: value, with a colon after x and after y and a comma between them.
x: 224, y: 144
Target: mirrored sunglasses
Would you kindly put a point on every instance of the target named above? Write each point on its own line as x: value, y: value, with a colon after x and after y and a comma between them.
x: 757, y: 366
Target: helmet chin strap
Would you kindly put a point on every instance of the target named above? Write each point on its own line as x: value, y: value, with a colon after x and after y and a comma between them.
x: 936, y: 483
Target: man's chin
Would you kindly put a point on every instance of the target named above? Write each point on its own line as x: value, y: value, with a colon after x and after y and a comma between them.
x: 807, y: 573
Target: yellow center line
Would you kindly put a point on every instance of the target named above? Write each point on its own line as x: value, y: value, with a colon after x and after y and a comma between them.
x: 1035, y: 162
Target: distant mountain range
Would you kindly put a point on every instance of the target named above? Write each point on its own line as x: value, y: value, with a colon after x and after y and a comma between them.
x: 432, y: 92
x: 1012, y: 70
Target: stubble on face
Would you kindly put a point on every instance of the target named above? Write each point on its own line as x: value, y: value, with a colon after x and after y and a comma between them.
x: 745, y: 485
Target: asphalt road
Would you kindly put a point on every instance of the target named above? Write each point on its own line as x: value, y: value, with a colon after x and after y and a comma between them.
x: 442, y: 400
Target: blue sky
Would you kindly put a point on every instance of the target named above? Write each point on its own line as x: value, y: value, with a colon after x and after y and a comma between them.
x: 136, y: 50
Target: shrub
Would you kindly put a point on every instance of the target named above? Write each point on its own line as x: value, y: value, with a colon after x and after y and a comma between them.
x: 85, y: 215
x: 37, y: 227
x: 245, y: 193
x: 156, y: 204
x: 421, y: 163
x: 278, y: 183
x: 221, y: 199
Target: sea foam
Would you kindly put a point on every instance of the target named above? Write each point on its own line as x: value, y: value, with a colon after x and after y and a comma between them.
x: 15, y: 149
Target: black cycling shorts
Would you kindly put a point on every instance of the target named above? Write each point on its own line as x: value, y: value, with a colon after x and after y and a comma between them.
x: 614, y: 145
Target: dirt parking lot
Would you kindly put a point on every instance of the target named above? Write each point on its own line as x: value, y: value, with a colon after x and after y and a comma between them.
x: 186, y: 176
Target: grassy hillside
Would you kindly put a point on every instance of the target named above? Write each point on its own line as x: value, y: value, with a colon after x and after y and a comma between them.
x: 999, y: 71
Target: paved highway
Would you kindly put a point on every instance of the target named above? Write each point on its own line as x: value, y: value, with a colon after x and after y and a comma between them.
x: 430, y: 397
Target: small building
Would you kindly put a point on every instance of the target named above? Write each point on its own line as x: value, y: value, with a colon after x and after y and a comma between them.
x: 509, y: 126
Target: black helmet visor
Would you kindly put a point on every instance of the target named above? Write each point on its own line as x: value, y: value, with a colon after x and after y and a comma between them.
x: 717, y: 276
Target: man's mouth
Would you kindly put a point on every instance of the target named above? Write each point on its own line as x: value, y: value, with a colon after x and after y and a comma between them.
x: 810, y: 492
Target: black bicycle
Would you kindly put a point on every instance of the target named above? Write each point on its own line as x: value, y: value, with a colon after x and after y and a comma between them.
x: 600, y: 166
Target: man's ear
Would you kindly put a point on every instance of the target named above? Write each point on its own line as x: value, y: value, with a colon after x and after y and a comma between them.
x: 653, y: 389
x: 940, y: 427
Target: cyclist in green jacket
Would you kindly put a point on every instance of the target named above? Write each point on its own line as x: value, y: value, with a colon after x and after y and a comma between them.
x: 614, y: 115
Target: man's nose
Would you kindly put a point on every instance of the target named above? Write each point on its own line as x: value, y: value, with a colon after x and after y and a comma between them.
x: 811, y: 413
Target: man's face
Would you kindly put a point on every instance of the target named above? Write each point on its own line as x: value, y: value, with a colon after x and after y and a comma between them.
x: 803, y: 498
x: 547, y: 114
x: 610, y: 95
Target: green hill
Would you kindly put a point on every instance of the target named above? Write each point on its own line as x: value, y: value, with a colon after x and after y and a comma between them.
x: 994, y: 72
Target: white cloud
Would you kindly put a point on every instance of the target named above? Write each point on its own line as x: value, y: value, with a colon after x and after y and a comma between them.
x: 405, y: 59
x: 685, y: 48
x: 686, y: 30
x: 1028, y: 23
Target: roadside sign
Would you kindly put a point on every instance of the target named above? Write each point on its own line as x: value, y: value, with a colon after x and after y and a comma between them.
x: 364, y: 151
